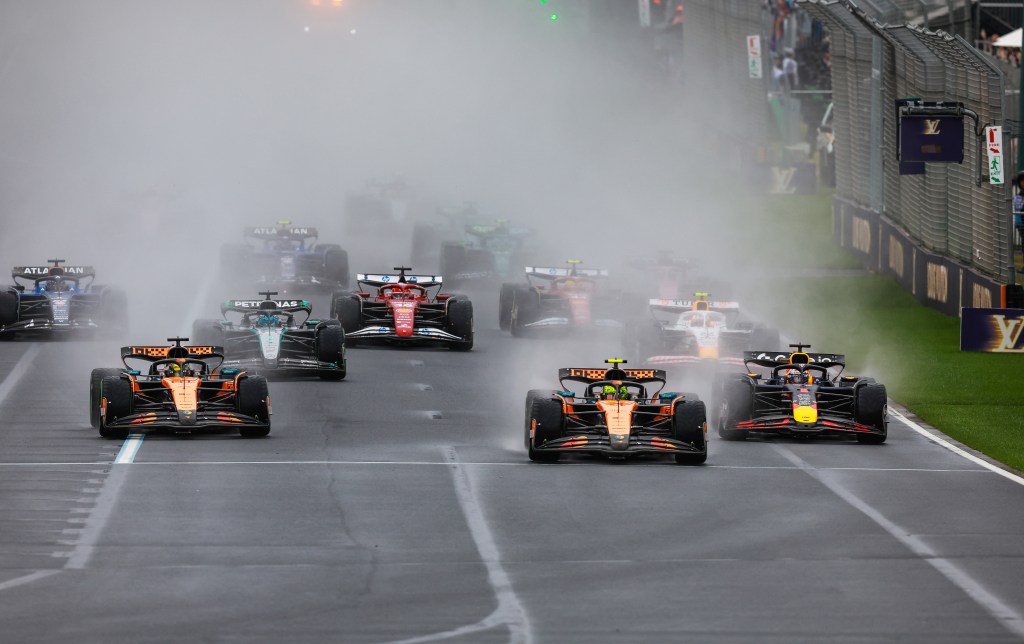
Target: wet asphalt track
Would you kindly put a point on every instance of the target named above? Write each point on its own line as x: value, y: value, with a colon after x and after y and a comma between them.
x: 399, y: 505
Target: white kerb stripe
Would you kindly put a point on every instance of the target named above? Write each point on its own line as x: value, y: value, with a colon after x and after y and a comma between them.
x: 956, y: 450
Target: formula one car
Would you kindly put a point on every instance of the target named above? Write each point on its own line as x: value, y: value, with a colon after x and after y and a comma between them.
x: 403, y: 310
x: 489, y: 251
x: 264, y: 335
x: 183, y: 388
x: 570, y: 298
x: 802, y: 394
x: 61, y: 299
x: 286, y: 257
x: 615, y: 415
x: 691, y: 331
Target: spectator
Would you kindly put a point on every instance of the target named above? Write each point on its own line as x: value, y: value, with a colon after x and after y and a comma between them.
x: 791, y: 69
x: 1018, y: 209
x: 778, y: 76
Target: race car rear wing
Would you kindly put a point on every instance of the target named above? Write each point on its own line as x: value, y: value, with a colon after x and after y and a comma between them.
x: 378, y: 280
x: 588, y: 375
x: 771, y: 359
x: 255, y: 306
x: 545, y: 272
x: 153, y: 353
x: 486, y: 230
x: 42, y: 272
x: 282, y: 232
x: 689, y: 305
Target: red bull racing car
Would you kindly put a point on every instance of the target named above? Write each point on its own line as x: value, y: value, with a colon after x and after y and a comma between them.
x: 181, y: 388
x: 801, y: 394
x: 402, y: 309
x: 615, y: 414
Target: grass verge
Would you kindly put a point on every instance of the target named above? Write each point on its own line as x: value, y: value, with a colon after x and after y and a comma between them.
x: 976, y: 398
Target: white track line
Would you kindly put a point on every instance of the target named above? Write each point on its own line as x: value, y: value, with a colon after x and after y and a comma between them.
x: 130, y: 448
x: 19, y: 371
x: 510, y: 612
x: 27, y: 579
x: 668, y: 466
x: 956, y: 450
x: 103, y: 508
x: 996, y: 607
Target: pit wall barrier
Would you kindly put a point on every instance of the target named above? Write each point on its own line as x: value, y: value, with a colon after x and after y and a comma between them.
x: 935, y: 280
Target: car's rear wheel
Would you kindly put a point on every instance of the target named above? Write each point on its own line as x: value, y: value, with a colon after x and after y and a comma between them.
x: 872, y: 409
x: 689, y: 425
x: 525, y: 306
x: 335, y: 264
x: 330, y: 347
x: 737, y: 403
x: 505, y: 298
x: 460, y: 323
x: 253, y: 399
x: 347, y: 309
x: 544, y: 417
x: 95, y: 384
x: 117, y: 391
x: 8, y: 307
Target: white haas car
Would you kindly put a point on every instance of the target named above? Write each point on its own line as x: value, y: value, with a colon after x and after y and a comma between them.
x: 694, y: 331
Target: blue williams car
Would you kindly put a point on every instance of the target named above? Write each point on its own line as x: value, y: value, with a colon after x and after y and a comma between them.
x: 60, y: 299
x: 286, y: 258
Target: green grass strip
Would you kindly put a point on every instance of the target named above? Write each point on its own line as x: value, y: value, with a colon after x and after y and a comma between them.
x: 976, y: 398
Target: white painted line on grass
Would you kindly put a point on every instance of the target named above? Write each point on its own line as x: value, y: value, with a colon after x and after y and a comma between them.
x: 18, y: 371
x: 130, y: 448
x: 510, y: 612
x: 956, y: 450
x: 996, y: 607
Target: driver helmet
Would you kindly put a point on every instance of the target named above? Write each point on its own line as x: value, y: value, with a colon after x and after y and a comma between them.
x: 173, y: 370
x: 609, y: 392
x: 266, y: 320
x: 624, y: 393
x: 797, y: 377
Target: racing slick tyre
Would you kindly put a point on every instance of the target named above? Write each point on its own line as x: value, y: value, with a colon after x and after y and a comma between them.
x: 206, y: 332
x: 330, y: 347
x: 347, y: 309
x: 118, y: 393
x: 335, y: 263
x: 544, y: 416
x: 460, y: 323
x: 871, y: 409
x: 8, y: 307
x: 95, y: 381
x: 764, y: 339
x: 453, y: 260
x: 525, y: 306
x: 737, y: 403
x: 689, y: 425
x: 252, y: 399
x: 505, y: 298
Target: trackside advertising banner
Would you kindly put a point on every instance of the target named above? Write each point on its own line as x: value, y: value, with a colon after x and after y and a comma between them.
x: 992, y: 330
